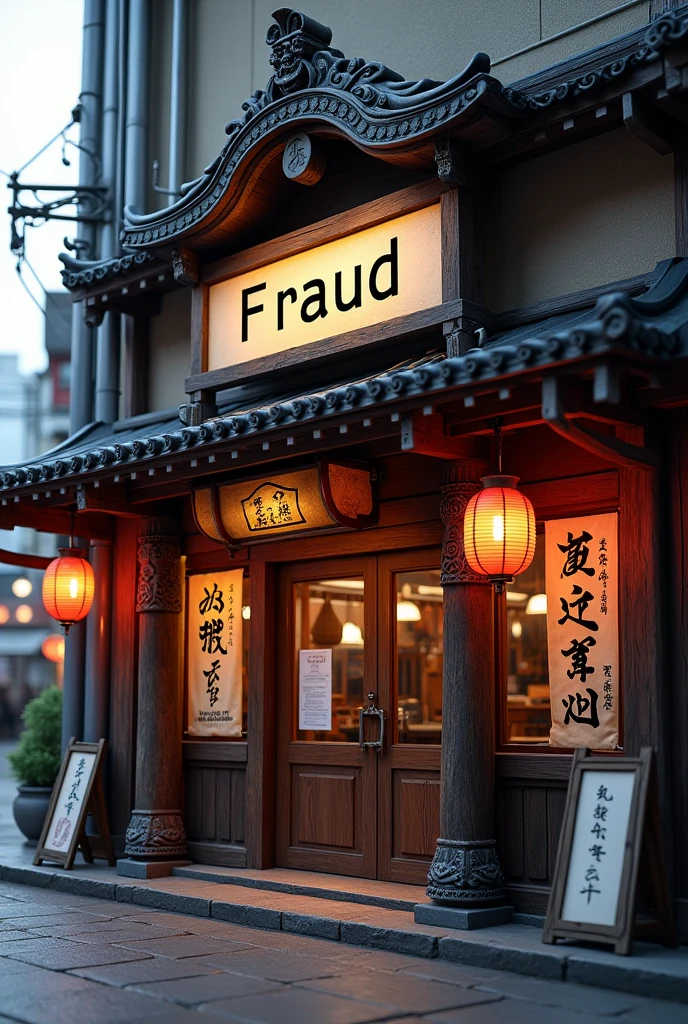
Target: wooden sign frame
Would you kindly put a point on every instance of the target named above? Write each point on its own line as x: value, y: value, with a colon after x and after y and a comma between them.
x: 92, y: 802
x: 643, y: 862
x: 458, y: 296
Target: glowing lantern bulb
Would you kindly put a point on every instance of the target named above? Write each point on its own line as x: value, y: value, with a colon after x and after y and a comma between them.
x: 499, y: 530
x: 68, y: 586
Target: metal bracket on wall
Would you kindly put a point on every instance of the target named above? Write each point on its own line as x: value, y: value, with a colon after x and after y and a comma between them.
x: 605, y: 445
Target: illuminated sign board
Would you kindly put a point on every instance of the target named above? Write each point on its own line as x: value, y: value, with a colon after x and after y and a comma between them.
x: 366, y: 278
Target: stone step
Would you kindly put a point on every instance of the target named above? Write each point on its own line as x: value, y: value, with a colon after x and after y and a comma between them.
x: 367, y: 892
x: 651, y: 971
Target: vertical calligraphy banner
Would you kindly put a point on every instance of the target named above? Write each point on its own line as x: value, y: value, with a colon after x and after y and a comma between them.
x: 214, y: 659
x: 582, y: 583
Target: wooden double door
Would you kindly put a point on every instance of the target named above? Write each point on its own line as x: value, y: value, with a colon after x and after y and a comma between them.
x: 359, y: 794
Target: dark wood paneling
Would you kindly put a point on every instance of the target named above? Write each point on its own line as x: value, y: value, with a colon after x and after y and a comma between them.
x: 324, y: 807
x: 676, y: 556
x: 530, y: 798
x: 416, y: 814
x: 642, y: 565
x: 123, y: 692
x: 215, y: 801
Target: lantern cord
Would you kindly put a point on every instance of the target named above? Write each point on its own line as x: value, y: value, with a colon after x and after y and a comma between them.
x: 496, y: 425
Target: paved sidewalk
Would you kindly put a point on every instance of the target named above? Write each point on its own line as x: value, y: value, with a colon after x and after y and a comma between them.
x: 65, y: 958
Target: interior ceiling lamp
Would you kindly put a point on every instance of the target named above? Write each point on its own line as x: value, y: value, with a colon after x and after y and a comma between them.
x: 537, y: 605
x: 320, y: 497
x: 499, y: 526
x: 407, y: 610
x: 351, y: 634
x: 68, y: 585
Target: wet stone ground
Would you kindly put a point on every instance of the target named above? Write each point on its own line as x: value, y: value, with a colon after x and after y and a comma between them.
x: 76, y: 959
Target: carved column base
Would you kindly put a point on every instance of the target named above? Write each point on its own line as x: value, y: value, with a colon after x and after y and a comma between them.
x: 466, y: 873
x: 156, y: 834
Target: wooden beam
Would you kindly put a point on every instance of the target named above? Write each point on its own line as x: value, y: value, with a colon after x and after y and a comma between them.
x: 25, y: 561
x: 87, y: 499
x: 90, y: 525
x: 650, y: 126
x: 426, y: 435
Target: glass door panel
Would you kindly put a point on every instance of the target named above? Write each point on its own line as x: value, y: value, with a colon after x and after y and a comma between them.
x: 329, y: 615
x: 419, y: 625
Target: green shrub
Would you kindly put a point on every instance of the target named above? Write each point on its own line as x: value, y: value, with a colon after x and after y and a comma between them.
x: 36, y: 761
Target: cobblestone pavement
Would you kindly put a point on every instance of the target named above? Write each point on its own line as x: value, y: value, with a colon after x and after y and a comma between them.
x: 65, y: 958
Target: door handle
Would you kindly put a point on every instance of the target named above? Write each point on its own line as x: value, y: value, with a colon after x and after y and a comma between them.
x: 371, y: 712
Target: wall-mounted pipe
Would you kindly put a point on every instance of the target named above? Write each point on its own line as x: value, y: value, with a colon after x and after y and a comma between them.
x: 136, y: 129
x: 81, y: 397
x: 109, y: 341
x: 178, y: 100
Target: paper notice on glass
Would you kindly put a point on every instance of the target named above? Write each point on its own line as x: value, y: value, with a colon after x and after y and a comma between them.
x: 315, y: 690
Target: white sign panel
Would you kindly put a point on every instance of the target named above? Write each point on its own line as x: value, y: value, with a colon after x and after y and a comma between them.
x: 365, y: 278
x: 315, y: 690
x: 214, y: 662
x: 598, y: 848
x: 582, y: 574
x: 69, y: 801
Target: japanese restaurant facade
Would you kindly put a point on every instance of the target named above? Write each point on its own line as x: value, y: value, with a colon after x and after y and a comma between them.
x: 302, y: 668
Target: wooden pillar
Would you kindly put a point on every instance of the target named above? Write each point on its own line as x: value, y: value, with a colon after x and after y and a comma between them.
x: 156, y: 830
x: 465, y: 870
x: 262, y: 718
x: 98, y: 633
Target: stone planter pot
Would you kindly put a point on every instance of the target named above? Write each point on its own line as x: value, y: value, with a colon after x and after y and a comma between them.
x: 30, y: 808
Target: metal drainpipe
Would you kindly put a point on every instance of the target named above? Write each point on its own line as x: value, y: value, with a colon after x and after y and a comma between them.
x: 81, y: 396
x: 178, y: 86
x: 138, y: 55
x: 109, y: 332
x: 81, y: 399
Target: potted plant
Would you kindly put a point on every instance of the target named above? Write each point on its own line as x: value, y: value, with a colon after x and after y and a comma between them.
x: 36, y: 761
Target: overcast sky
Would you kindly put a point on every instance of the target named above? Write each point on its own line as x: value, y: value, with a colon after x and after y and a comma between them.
x: 40, y: 75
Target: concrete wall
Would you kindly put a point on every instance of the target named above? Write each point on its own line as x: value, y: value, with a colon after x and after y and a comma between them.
x: 169, y: 351
x: 418, y: 38
x: 586, y: 215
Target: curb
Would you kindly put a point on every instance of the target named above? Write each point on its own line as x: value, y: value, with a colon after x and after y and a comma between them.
x: 560, y: 963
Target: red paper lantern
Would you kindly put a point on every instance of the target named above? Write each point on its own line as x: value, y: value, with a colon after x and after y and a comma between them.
x: 499, y: 530
x: 68, y: 586
x: 53, y: 648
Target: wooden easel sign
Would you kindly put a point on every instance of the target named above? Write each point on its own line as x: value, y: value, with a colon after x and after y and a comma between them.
x: 78, y: 792
x: 610, y: 842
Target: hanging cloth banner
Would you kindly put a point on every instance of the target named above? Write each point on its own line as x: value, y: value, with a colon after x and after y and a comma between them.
x: 213, y: 644
x: 582, y: 573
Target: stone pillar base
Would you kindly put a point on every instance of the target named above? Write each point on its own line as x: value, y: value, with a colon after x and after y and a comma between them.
x: 466, y: 873
x: 129, y: 868
x: 156, y: 835
x: 463, y: 918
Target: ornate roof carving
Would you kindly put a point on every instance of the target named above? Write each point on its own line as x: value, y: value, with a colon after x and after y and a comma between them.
x: 653, y: 326
x: 78, y: 273
x: 367, y: 102
x: 669, y: 30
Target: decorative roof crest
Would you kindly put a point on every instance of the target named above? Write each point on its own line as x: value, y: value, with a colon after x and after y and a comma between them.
x: 302, y: 58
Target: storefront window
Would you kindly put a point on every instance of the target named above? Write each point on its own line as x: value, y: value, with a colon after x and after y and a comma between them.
x: 329, y: 616
x: 528, y: 717
x: 419, y: 657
